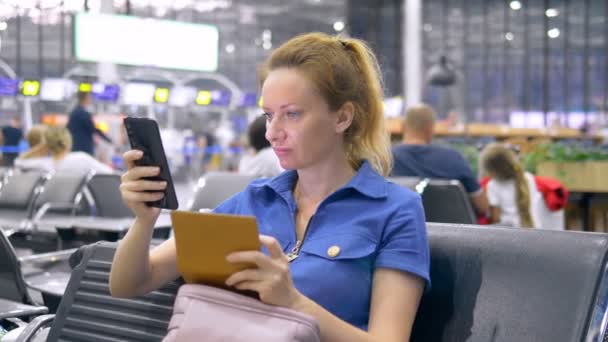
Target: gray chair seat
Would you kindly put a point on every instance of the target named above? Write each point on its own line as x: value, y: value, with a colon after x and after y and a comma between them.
x: 12, y: 218
x: 9, y: 308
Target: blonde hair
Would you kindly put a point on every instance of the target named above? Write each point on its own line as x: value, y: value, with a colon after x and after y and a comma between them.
x: 35, y: 135
x: 419, y: 117
x: 499, y: 162
x: 343, y: 70
x: 57, y: 139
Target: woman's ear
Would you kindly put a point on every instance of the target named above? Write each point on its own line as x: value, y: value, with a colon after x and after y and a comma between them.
x: 344, y: 117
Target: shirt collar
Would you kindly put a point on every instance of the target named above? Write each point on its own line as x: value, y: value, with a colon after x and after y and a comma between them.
x: 366, y: 181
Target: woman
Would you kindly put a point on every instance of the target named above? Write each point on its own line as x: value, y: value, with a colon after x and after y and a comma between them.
x: 509, y: 191
x: 357, y: 244
x: 57, y: 142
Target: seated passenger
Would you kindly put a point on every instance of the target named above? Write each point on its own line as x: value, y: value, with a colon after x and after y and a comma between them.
x: 58, y: 142
x: 325, y: 122
x: 417, y: 157
x: 34, y: 138
x: 511, y: 189
x: 262, y: 161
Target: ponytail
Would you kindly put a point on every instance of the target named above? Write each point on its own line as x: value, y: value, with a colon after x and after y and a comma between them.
x: 522, y: 197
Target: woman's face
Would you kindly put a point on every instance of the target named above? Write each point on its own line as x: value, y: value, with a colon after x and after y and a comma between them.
x: 300, y: 126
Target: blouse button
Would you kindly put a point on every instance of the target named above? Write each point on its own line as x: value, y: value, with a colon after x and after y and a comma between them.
x: 333, y: 251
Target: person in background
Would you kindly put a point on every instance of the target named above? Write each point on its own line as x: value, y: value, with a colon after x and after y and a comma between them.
x: 81, y: 126
x: 510, y: 188
x: 261, y: 161
x: 325, y: 122
x: 12, y: 135
x: 417, y: 157
x: 58, y: 144
x: 35, y: 139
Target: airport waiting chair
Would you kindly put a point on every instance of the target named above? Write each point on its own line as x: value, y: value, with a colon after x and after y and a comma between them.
x: 15, y: 301
x: 59, y: 199
x: 216, y: 187
x: 17, y: 197
x: 488, y: 284
x: 88, y: 312
x: 505, y: 284
x: 408, y: 182
x: 445, y: 201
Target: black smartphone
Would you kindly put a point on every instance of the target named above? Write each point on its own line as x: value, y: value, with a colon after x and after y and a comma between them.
x: 144, y: 135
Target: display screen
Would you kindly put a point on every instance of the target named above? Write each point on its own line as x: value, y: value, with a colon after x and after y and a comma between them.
x: 145, y: 42
x: 220, y: 98
x: 56, y: 89
x: 182, y: 96
x: 138, y: 94
x: 249, y: 100
x: 30, y: 87
x: 8, y: 86
x: 105, y: 92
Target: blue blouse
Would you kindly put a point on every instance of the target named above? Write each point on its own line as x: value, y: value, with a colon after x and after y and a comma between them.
x: 366, y: 224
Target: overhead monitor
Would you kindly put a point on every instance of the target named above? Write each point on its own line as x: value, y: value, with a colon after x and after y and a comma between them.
x: 85, y: 87
x: 8, y: 86
x: 105, y: 92
x: 57, y: 89
x: 249, y: 100
x: 220, y: 98
x: 30, y: 87
x: 136, y: 41
x: 141, y: 94
x: 182, y: 96
x: 161, y: 95
x: 203, y: 98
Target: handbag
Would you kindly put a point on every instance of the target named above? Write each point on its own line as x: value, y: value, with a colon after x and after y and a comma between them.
x: 205, y: 313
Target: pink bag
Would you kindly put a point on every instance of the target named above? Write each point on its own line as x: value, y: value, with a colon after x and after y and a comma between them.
x: 204, y: 313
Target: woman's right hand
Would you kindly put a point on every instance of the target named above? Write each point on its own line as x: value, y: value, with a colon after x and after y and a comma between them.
x: 136, y: 191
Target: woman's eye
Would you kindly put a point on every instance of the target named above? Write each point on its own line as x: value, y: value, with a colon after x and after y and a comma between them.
x: 268, y: 116
x: 293, y: 115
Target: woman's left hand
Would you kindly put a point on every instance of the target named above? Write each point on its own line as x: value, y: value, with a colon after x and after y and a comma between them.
x: 271, y: 279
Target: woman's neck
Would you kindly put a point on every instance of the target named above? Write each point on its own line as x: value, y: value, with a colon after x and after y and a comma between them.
x: 60, y: 155
x: 317, y: 182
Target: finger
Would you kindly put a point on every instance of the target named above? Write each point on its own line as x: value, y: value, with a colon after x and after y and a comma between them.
x: 131, y: 156
x: 143, y: 185
x: 273, y: 246
x: 131, y: 196
x: 252, y: 257
x: 250, y: 274
x: 248, y: 285
x: 139, y: 172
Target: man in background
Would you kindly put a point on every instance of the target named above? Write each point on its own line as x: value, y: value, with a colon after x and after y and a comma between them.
x: 82, y: 127
x: 12, y: 135
x: 417, y: 157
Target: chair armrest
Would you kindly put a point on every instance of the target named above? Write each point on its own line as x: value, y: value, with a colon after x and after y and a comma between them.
x: 47, y: 257
x: 34, y: 326
x: 52, y: 205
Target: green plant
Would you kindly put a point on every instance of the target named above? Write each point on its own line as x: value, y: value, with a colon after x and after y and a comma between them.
x: 561, y: 152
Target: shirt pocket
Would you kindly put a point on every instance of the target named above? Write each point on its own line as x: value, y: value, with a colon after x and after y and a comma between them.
x: 340, y: 247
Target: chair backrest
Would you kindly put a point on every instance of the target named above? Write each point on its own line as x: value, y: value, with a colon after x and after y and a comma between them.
x: 12, y: 285
x: 107, y: 200
x: 408, y: 182
x: 63, y: 188
x: 506, y: 284
x: 446, y: 201
x: 87, y: 312
x: 19, y: 190
x: 216, y: 187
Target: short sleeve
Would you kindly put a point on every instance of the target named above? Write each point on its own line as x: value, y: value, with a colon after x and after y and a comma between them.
x: 468, y: 179
x: 492, y: 193
x: 405, y: 245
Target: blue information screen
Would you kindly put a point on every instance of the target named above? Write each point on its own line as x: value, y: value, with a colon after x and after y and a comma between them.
x: 8, y: 86
x: 106, y: 92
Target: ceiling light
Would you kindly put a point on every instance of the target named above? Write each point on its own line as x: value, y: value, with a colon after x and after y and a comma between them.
x: 553, y: 33
x: 267, y: 45
x: 3, y: 25
x: 515, y: 5
x: 230, y: 48
x: 339, y: 26
x: 509, y: 36
x: 551, y: 12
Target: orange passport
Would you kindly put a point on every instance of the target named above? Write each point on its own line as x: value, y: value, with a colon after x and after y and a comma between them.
x: 203, y: 240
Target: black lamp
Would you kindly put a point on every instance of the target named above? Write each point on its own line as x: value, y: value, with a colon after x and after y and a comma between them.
x: 442, y: 74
